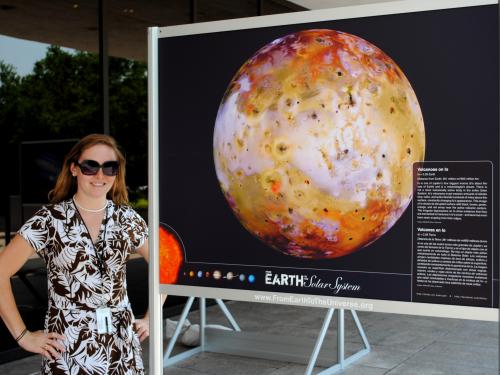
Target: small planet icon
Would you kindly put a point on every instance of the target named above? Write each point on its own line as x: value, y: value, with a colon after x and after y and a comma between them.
x: 207, y: 274
x: 200, y: 274
x: 229, y: 275
x: 217, y: 275
x: 251, y: 278
x: 191, y: 273
x: 314, y: 143
x: 242, y: 277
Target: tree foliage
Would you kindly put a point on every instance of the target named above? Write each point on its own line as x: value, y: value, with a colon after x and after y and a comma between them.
x: 60, y: 100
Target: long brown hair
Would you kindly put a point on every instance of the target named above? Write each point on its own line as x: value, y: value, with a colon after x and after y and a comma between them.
x: 66, y: 184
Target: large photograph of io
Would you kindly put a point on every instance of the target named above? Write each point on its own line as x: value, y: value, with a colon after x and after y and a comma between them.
x: 291, y: 149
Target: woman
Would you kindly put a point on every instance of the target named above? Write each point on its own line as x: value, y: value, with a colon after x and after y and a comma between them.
x: 85, y: 236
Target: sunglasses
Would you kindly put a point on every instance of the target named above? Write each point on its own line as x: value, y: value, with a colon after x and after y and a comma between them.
x: 91, y: 167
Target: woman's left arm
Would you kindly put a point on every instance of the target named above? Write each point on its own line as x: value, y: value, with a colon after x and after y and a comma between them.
x: 142, y: 325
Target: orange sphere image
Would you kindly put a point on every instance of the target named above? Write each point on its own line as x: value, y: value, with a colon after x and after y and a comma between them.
x: 314, y: 143
x: 171, y: 255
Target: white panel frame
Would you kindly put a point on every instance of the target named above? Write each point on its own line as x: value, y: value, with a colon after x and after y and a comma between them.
x: 355, y: 11
x: 358, y: 304
x: 155, y: 308
x: 387, y: 306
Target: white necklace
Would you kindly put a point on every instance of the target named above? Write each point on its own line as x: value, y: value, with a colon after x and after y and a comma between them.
x: 89, y: 209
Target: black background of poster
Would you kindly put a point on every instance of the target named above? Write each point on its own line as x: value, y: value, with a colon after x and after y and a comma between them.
x: 449, y: 56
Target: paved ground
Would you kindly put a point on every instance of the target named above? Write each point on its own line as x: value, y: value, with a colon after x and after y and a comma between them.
x: 401, y: 344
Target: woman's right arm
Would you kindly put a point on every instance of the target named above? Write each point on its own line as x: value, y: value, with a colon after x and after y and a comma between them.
x: 12, y: 258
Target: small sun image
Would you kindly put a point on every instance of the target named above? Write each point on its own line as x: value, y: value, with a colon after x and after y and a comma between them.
x: 171, y: 254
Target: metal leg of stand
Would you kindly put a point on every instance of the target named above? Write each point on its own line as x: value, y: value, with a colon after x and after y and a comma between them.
x: 228, y: 315
x: 177, y: 331
x: 340, y: 339
x: 342, y: 361
x: 354, y: 357
x: 319, y: 341
x: 360, y: 329
x: 169, y: 360
x: 203, y: 321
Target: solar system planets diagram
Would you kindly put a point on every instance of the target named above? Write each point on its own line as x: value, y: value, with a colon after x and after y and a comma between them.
x: 314, y: 143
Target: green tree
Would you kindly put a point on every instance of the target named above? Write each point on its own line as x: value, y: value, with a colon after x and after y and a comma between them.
x: 9, y: 101
x: 60, y: 99
x: 128, y: 97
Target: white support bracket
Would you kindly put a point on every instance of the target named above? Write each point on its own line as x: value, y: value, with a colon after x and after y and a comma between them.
x: 342, y: 362
x: 258, y: 345
x: 168, y: 359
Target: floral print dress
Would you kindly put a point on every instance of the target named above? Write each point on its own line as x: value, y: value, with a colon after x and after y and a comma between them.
x: 76, y: 289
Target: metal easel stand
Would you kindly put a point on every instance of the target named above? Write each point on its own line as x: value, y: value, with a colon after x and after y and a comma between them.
x: 273, y: 347
x: 169, y: 360
x: 342, y: 362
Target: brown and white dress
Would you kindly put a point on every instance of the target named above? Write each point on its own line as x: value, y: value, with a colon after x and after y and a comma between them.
x: 76, y: 289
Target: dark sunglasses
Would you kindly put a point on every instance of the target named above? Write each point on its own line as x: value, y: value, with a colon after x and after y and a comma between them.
x: 91, y: 167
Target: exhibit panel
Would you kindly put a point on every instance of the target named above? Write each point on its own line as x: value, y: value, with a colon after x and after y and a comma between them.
x: 337, y: 158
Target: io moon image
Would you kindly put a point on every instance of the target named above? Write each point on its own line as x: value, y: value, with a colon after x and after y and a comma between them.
x: 314, y: 143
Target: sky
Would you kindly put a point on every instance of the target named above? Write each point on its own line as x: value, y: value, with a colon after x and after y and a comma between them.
x: 22, y: 54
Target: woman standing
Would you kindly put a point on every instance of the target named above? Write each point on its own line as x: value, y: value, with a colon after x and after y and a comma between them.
x: 85, y: 237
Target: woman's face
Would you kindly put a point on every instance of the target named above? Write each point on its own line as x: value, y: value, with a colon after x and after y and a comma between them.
x: 98, y: 185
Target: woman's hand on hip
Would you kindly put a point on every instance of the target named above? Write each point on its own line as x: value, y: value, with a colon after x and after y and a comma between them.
x: 46, y: 344
x: 142, y: 328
